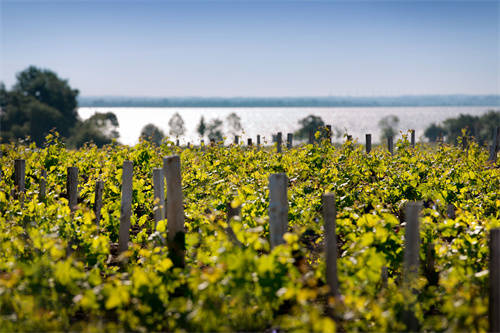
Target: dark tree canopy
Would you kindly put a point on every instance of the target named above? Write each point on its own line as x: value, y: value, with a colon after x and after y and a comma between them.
x: 152, y: 133
x: 39, y: 102
x: 309, y: 123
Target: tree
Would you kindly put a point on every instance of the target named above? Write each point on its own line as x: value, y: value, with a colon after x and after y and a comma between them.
x: 152, y: 133
x: 433, y: 132
x: 387, y: 125
x: 176, y: 125
x: 214, y: 130
x: 101, y: 129
x: 40, y: 102
x: 202, y: 127
x: 234, y: 124
x: 309, y: 123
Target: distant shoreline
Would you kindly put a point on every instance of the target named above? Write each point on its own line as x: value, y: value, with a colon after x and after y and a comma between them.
x: 232, y: 102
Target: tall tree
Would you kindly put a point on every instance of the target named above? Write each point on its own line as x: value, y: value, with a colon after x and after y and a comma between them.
x: 202, y: 127
x: 152, y: 133
x: 176, y: 124
x: 234, y: 124
x: 388, y: 126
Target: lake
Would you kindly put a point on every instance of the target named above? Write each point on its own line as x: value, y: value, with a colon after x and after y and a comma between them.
x: 357, y: 121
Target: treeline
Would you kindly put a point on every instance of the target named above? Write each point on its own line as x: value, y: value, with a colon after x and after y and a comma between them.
x: 424, y: 100
x: 478, y: 127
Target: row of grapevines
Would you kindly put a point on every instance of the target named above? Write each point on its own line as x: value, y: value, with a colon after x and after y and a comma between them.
x: 61, y: 271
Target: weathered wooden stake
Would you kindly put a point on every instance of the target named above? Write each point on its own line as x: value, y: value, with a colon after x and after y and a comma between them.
x: 126, y: 206
x: 329, y: 217
x: 99, y: 188
x: 175, y: 209
x: 258, y: 140
x: 450, y: 211
x: 232, y: 212
x: 159, y: 195
x: 279, y: 141
x: 493, y: 146
x: 494, y: 269
x: 278, y: 208
x: 384, y: 276
x: 390, y: 144
x: 412, y: 138
x: 368, y: 143
x: 289, y: 141
x: 412, y: 239
x: 411, y: 257
x: 177, y: 143
x: 43, y: 185
x: 72, y: 187
x: 19, y: 180
x: 202, y: 145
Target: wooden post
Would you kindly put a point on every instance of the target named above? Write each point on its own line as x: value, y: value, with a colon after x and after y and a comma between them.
x: 278, y: 208
x: 175, y: 209
x: 189, y: 145
x: 159, y: 195
x: 368, y: 143
x: 43, y: 185
x: 494, y: 288
x: 99, y: 188
x: 19, y: 180
x: 329, y: 133
x: 329, y: 217
x: 412, y: 138
x: 493, y: 146
x: 412, y: 238
x: 289, y: 141
x: 72, y: 188
x: 236, y: 140
x: 311, y: 136
x: 390, y: 145
x: 258, y: 140
x: 126, y: 206
x: 279, y: 141
x: 450, y: 211
x: 202, y: 145
x: 384, y: 276
x: 411, y: 257
x: 249, y: 142
x: 212, y: 142
x: 232, y: 212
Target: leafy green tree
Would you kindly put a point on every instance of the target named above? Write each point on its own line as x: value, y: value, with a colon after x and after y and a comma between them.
x: 40, y: 102
x: 388, y: 126
x: 202, y: 127
x: 152, y: 133
x: 309, y: 123
x: 433, y: 132
x: 101, y: 129
x: 176, y: 124
x: 234, y: 124
x: 214, y: 130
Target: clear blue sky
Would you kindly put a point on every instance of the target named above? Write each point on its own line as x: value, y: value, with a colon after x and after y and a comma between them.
x: 258, y: 48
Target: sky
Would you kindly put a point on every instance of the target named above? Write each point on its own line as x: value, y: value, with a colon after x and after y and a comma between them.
x: 256, y: 48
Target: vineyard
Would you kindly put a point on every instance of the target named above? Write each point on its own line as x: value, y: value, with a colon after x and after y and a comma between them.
x: 245, y: 259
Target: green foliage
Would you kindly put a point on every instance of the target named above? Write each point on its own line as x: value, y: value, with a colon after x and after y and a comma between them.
x: 388, y: 125
x: 59, y: 271
x: 479, y: 127
x: 307, y: 124
x: 176, y: 124
x: 152, y: 133
x: 40, y: 102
